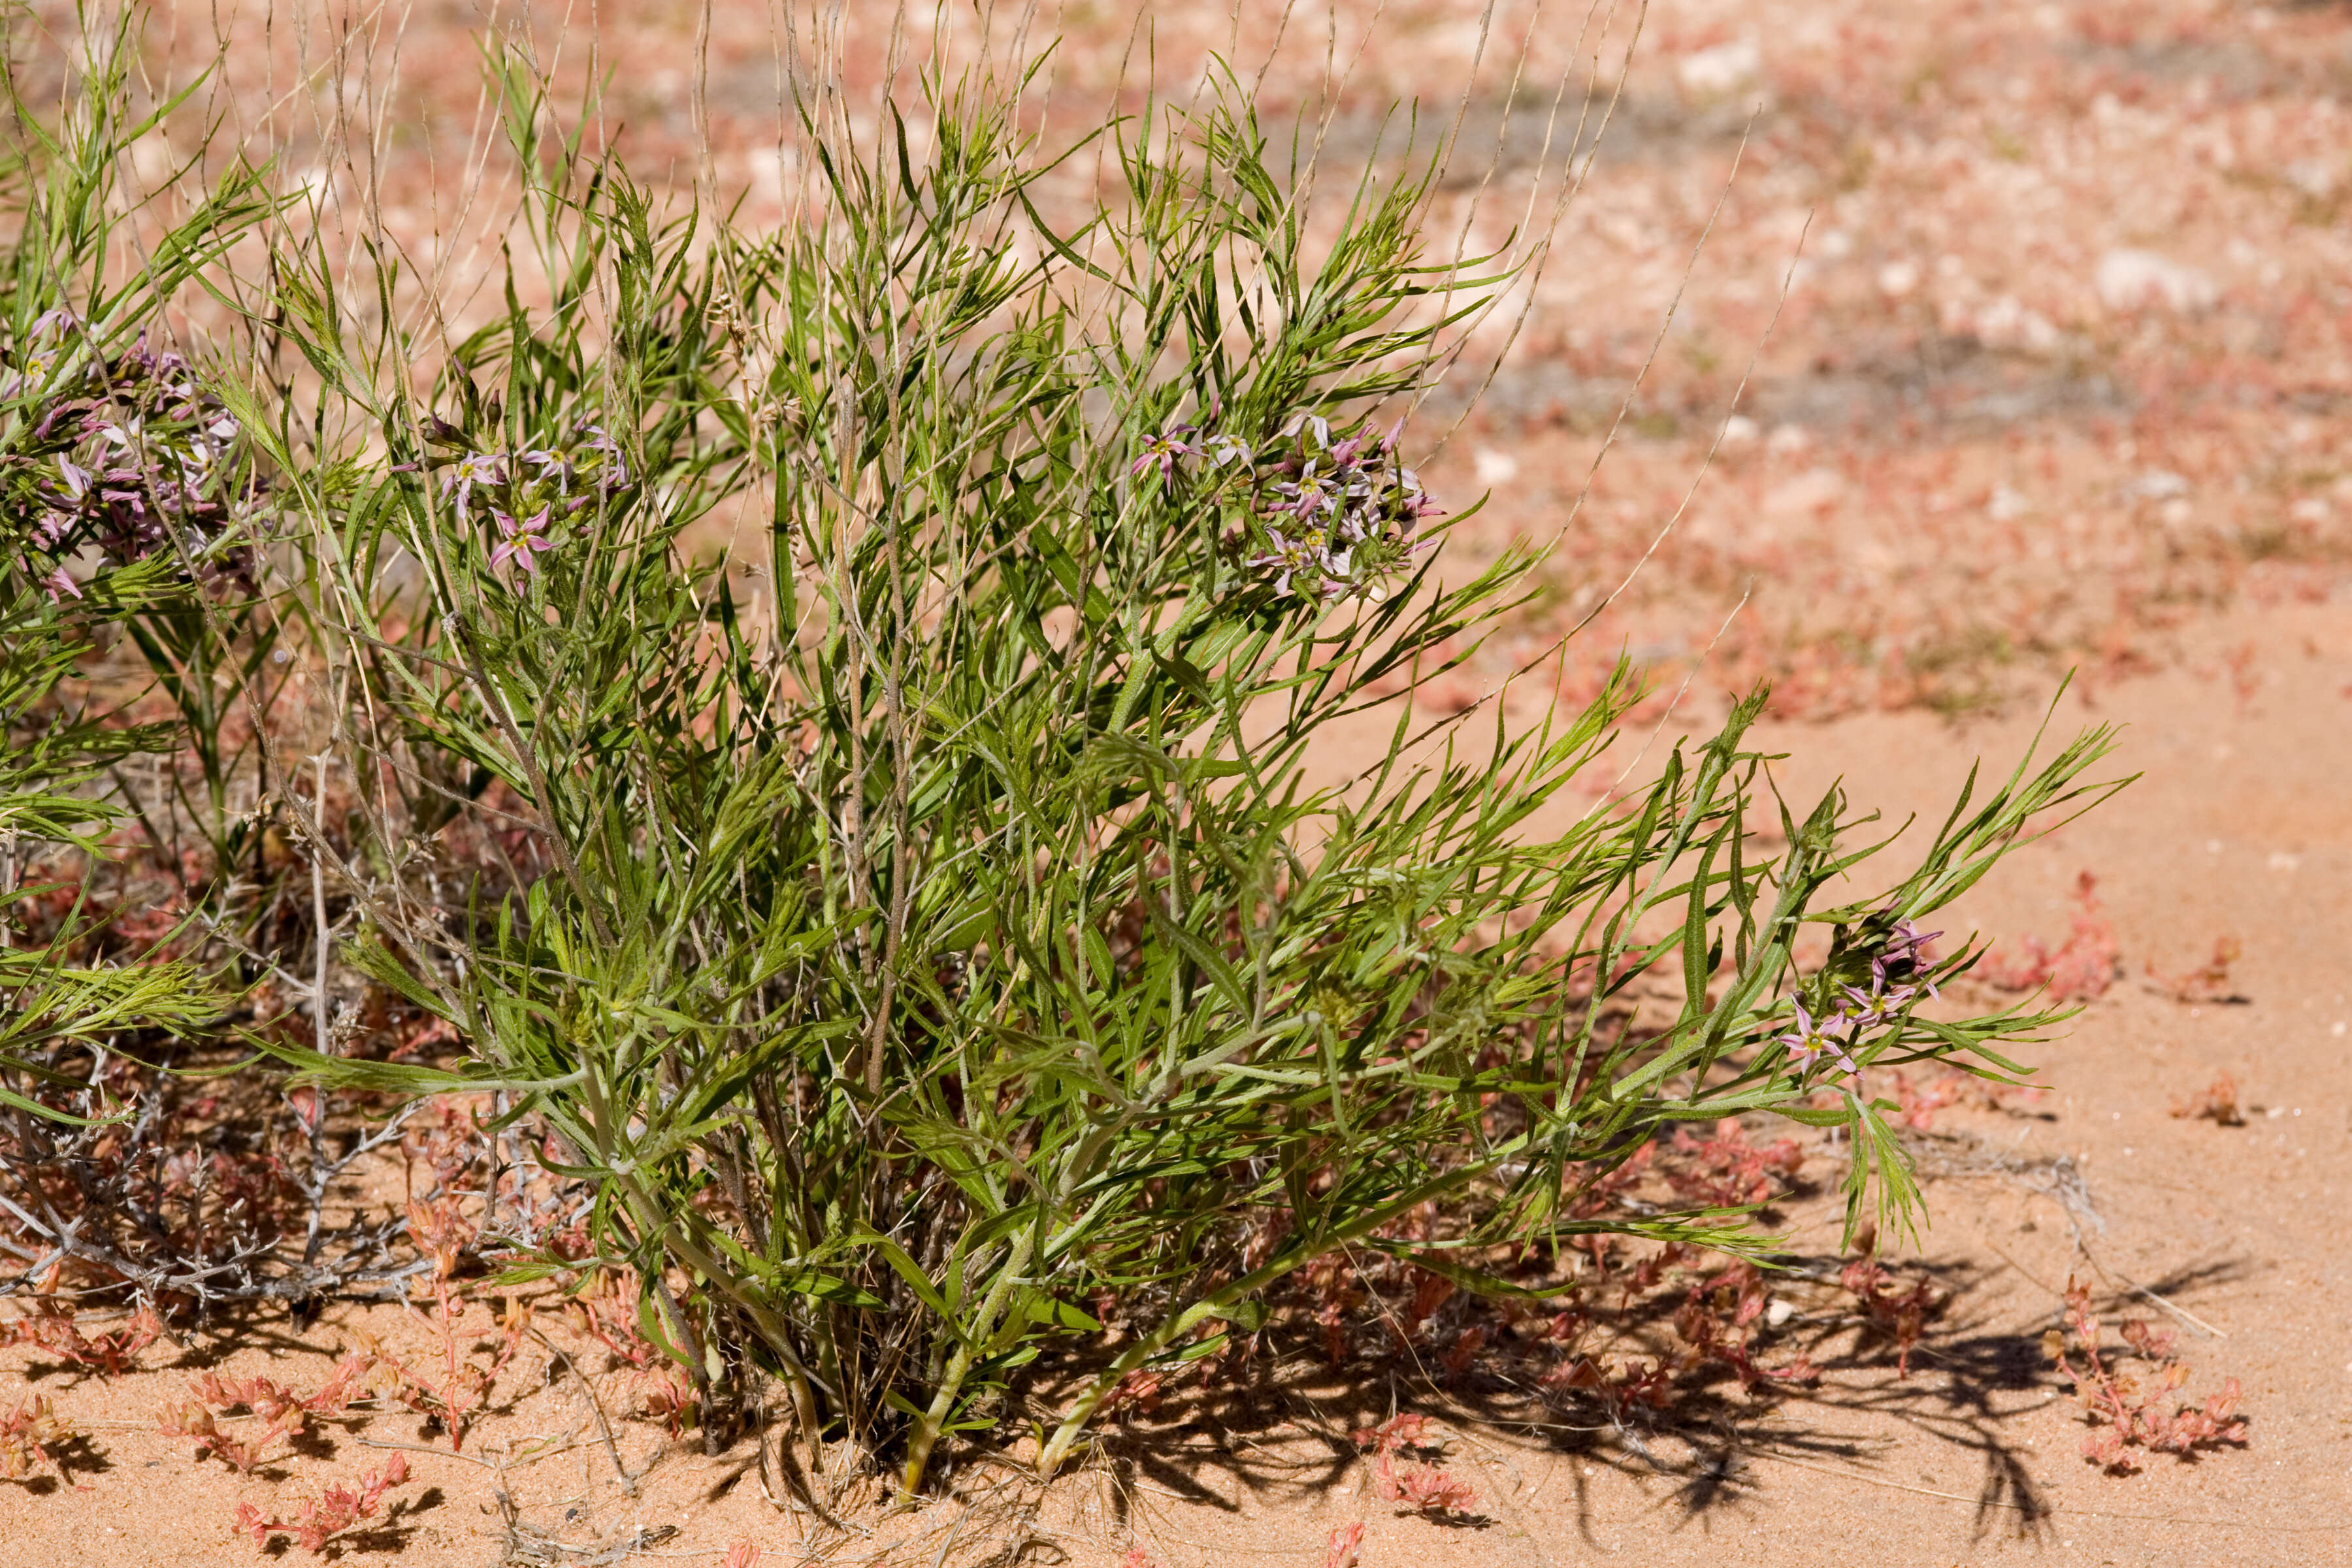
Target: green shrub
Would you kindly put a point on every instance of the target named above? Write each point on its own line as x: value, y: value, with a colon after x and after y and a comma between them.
x: 949, y: 914
x: 125, y: 486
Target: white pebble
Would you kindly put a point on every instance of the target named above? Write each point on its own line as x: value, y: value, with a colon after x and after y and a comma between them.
x: 1495, y: 467
x: 2134, y: 279
x: 1710, y: 73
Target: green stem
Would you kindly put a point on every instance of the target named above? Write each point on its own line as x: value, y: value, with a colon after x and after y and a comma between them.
x: 926, y: 1434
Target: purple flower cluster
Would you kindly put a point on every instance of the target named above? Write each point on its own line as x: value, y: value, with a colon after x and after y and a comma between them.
x: 521, y: 493
x: 128, y: 454
x: 1898, y: 974
x: 1341, y: 514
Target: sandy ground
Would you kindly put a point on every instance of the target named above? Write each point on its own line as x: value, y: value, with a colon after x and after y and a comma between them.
x: 1970, y: 467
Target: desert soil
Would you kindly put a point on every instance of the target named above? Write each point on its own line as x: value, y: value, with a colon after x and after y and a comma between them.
x: 1979, y: 451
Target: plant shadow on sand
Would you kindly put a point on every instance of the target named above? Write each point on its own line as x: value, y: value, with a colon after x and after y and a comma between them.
x: 1295, y: 1427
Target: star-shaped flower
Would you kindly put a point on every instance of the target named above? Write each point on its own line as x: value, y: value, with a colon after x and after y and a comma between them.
x: 473, y: 469
x: 1809, y: 1041
x: 522, y: 542
x: 1163, y: 450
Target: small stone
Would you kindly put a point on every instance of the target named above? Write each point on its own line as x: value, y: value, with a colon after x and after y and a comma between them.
x: 2314, y: 177
x: 2136, y: 279
x: 2006, y: 322
x: 1712, y: 72
x: 2158, y: 484
x: 1778, y: 1312
x: 1495, y: 467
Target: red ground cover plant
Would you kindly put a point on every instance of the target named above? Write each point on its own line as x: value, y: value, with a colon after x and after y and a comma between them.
x: 603, y: 1305
x: 2209, y: 982
x: 1720, y: 1319
x: 1899, y: 1312
x: 2217, y: 1102
x: 282, y: 1412
x: 2081, y: 967
x: 450, y: 1396
x: 27, y: 1430
x: 2129, y: 1411
x: 56, y: 1329
x: 1416, y: 1486
x: 1724, y: 1170
x: 1137, y: 1393
x: 333, y: 1513
x: 1920, y: 1102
